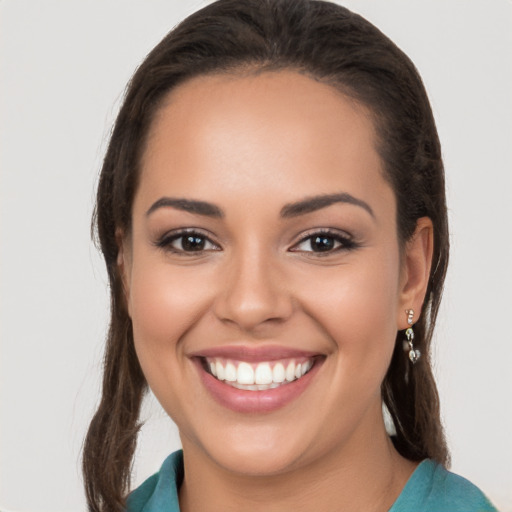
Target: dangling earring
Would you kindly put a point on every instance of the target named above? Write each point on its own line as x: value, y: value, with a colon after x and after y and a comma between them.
x: 414, y: 354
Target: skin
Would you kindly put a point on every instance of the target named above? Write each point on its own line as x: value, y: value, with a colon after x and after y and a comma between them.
x: 251, y: 145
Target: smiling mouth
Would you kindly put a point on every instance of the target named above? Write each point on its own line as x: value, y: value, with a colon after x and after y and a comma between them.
x: 260, y: 376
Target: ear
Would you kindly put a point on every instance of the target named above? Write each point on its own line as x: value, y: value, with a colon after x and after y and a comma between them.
x: 415, y: 272
x: 124, y: 264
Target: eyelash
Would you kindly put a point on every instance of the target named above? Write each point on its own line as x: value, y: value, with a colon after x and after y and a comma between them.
x: 345, y: 242
x: 166, y: 241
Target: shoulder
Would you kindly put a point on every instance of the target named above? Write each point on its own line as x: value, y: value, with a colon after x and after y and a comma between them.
x: 456, y: 490
x: 160, y: 491
x: 140, y: 496
x: 432, y: 488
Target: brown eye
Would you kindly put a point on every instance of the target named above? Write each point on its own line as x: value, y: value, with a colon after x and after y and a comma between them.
x: 191, y: 243
x: 324, y: 242
x: 186, y: 242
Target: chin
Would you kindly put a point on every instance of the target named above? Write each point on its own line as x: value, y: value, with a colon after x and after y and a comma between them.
x: 257, y: 450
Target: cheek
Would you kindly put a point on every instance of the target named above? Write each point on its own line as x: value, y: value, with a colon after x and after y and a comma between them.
x: 164, y: 302
x: 356, y: 305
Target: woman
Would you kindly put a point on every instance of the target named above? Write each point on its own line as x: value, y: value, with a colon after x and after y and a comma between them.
x: 272, y: 215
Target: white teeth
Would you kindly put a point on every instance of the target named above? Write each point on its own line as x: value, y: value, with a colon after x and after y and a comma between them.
x: 278, y: 373
x: 245, y: 374
x: 220, y: 370
x: 250, y: 387
x: 230, y: 373
x: 290, y: 372
x: 254, y: 387
x: 263, y: 374
x: 306, y: 366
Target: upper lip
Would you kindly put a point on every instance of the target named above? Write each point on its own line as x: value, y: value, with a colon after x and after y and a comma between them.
x: 253, y: 353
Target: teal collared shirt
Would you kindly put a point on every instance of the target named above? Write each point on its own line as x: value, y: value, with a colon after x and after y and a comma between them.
x: 431, y: 488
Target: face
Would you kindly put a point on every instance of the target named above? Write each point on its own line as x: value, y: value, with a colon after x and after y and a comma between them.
x: 262, y: 273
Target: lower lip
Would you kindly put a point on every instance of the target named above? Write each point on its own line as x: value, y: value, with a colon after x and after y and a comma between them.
x: 240, y: 400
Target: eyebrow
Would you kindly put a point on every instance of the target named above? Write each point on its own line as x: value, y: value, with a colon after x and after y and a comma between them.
x: 308, y: 205
x: 312, y: 204
x: 187, y: 205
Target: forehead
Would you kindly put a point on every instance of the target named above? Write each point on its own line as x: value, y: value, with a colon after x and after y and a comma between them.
x: 282, y: 134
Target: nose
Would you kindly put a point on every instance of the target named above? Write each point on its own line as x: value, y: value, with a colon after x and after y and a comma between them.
x: 254, y: 293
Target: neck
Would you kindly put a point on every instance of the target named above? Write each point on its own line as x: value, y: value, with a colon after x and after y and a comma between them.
x: 365, y: 473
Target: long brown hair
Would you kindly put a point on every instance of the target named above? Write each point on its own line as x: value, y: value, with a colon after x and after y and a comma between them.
x: 333, y: 45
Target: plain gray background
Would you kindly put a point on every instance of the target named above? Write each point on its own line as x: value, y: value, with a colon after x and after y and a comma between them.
x: 64, y: 65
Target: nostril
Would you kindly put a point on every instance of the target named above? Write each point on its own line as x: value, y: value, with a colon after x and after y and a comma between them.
x: 253, y: 308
